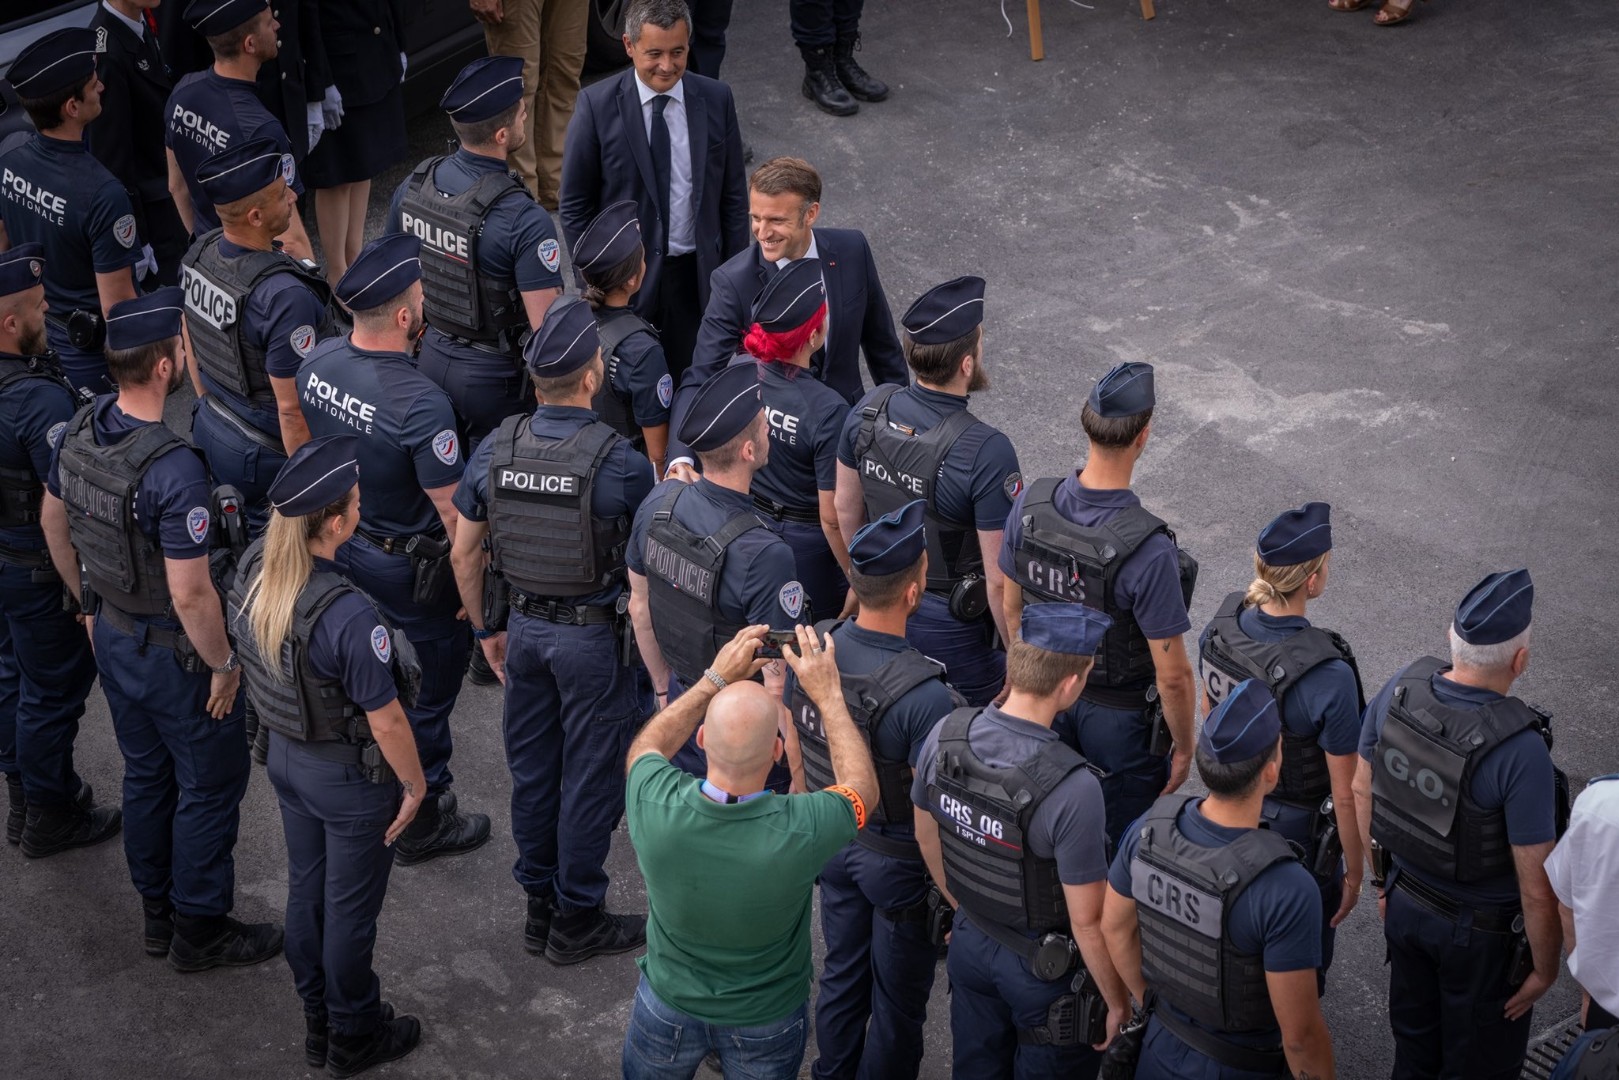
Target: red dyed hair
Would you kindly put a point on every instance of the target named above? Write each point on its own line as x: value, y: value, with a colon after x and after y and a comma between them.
x: 761, y: 344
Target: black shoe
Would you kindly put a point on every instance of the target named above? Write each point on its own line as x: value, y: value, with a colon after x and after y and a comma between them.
x: 537, y: 927
x: 852, y: 75
x: 821, y: 83
x: 201, y: 943
x: 50, y: 831
x: 17, y: 816
x: 453, y: 833
x: 317, y: 1034
x: 392, y: 1040
x: 479, y: 673
x: 159, y: 932
x: 579, y: 935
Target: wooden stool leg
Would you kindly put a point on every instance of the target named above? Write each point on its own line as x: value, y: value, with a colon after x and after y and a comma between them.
x: 1037, y: 42
x: 1146, y: 9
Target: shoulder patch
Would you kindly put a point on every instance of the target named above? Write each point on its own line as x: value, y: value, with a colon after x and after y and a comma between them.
x: 197, y: 521
x: 54, y: 435
x: 381, y: 643
x: 1014, y: 485
x: 550, y: 254
x: 302, y: 340
x: 792, y: 598
x: 666, y: 390
x: 123, y: 231
x: 446, y: 446
x: 289, y: 168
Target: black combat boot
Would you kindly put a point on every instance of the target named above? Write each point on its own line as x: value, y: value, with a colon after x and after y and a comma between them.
x: 438, y: 831
x: 317, y: 1034
x: 821, y: 82
x: 209, y: 941
x: 537, y: 927
x: 17, y: 816
x: 852, y: 75
x: 159, y: 931
x: 50, y: 830
x: 579, y: 935
x: 392, y: 1040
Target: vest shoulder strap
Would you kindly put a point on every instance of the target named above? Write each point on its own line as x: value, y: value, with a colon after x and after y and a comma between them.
x: 1130, y: 528
x: 744, y: 521
x: 1501, y: 719
x: 874, y: 410
x: 953, y: 732
x: 615, y: 327
x: 1231, y: 606
x: 14, y: 370
x: 902, y: 673
x: 1251, y: 854
x: 506, y: 434
x: 323, y: 589
x: 1041, y: 773
x: 1041, y: 494
x: 151, y: 442
x: 425, y: 168
x: 490, y: 189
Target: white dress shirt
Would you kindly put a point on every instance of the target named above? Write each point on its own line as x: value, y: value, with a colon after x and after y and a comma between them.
x: 1584, y: 872
x: 136, y: 27
x: 682, y: 223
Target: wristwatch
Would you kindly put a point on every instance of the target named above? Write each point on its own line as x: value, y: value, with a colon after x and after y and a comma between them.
x: 483, y: 633
x: 231, y: 664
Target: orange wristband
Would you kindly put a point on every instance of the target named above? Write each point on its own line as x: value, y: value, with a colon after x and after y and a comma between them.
x: 854, y: 800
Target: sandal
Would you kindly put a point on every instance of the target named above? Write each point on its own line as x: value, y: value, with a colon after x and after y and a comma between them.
x: 1393, y: 13
x: 1348, y: 5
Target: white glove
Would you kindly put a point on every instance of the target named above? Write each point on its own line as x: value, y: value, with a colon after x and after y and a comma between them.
x: 148, y: 263
x: 331, y: 107
x: 404, y: 65
x: 315, y: 121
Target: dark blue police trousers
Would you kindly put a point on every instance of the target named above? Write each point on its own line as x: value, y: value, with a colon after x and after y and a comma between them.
x: 337, y: 876
x: 1117, y: 741
x: 46, y: 671
x: 234, y: 458
x: 484, y: 386
x: 818, y: 571
x: 819, y: 22
x: 571, y: 711
x: 973, y: 665
x: 876, y: 970
x: 184, y: 774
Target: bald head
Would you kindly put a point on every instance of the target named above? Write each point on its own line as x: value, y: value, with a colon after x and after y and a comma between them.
x: 739, y: 732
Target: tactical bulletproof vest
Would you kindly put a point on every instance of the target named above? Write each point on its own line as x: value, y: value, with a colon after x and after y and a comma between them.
x: 868, y: 697
x: 458, y: 298
x: 614, y: 328
x: 21, y: 492
x: 984, y: 814
x: 99, y: 487
x: 217, y: 288
x: 1229, y: 656
x: 1422, y: 772
x: 1601, y: 1058
x: 1060, y: 561
x: 1184, y: 893
x: 898, y: 466
x: 542, y: 536
x: 683, y: 571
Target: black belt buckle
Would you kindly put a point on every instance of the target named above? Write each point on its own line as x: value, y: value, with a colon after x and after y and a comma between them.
x: 1054, y: 957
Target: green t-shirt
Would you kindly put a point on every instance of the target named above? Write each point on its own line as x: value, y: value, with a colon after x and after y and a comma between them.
x: 729, y: 891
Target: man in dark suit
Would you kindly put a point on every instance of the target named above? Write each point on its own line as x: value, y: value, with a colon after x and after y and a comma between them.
x: 784, y: 201
x: 669, y: 141
x: 128, y: 135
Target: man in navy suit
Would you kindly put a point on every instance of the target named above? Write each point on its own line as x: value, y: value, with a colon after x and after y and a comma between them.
x: 784, y: 201
x: 669, y: 141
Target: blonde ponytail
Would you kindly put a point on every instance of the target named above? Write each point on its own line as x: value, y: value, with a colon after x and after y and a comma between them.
x: 1277, y: 584
x: 284, y: 568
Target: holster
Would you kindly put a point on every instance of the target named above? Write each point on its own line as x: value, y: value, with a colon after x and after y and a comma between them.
x: 430, y: 563
x: 497, y: 599
x: 969, y: 599
x: 941, y: 917
x: 1162, y: 740
x: 375, y: 766
x: 1328, y: 850
x: 629, y: 652
x: 1077, y: 1018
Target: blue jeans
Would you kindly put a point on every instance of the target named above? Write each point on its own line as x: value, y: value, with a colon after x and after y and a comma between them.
x: 664, y: 1043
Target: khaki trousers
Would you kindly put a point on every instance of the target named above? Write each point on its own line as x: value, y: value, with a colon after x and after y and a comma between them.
x: 550, y: 37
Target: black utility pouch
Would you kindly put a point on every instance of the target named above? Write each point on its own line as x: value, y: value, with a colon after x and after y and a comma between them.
x: 430, y: 560
x: 941, y: 917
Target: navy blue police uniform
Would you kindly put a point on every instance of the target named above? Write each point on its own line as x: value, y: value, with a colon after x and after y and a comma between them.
x: 572, y: 702
x: 1112, y: 723
x: 408, y: 447
x: 880, y: 962
x: 46, y: 669
x: 969, y: 488
x: 58, y: 196
x: 485, y: 242
x: 1454, y: 907
x: 254, y: 315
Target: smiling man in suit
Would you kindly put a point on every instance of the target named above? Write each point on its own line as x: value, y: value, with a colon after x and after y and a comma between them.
x: 669, y: 141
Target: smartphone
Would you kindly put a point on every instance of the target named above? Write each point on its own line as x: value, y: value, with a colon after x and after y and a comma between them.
x: 774, y: 640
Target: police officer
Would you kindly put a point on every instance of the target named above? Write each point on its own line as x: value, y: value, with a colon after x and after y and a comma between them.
x: 66, y: 201
x: 1213, y: 914
x: 341, y: 756
x: 1087, y: 539
x: 1011, y: 827
x: 635, y: 395
x: 806, y: 418
x: 46, y: 669
x: 904, y: 443
x: 253, y: 314
x: 216, y: 109
x: 1456, y: 783
x: 573, y: 702
x: 490, y: 258
x: 1264, y: 634
x: 366, y: 384
x: 875, y: 905
x: 702, y: 564
x: 129, y: 503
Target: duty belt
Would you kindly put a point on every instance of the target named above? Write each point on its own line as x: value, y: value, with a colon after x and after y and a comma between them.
x: 143, y: 632
x: 388, y: 545
x: 242, y: 427
x: 1118, y: 697
x: 538, y: 607
x: 29, y: 560
x: 1230, y: 1054
x: 775, y: 510
x: 1019, y: 943
x: 1489, y: 920
x: 491, y: 347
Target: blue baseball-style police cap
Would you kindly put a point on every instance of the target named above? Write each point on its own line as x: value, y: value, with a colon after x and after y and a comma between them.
x: 565, y: 341
x: 891, y: 543
x: 1297, y: 536
x: 1124, y: 391
x: 60, y: 60
x: 611, y: 237
x: 486, y: 87
x: 385, y: 267
x: 1243, y: 726
x: 1064, y: 628
x: 722, y: 408
x: 946, y: 312
x: 146, y: 319
x: 318, y: 473
x: 1497, y: 609
x: 21, y: 268
x: 789, y: 299
x: 212, y: 17
x: 242, y: 170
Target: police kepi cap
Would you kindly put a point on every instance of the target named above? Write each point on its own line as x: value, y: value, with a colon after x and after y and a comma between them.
x: 244, y: 169
x: 892, y: 542
x: 21, y: 268
x: 60, y: 60
x: 1297, y: 536
x: 724, y: 406
x: 1497, y: 609
x: 318, y: 473
x: 385, y: 267
x: 565, y: 341
x: 1064, y: 628
x: 145, y: 319
x: 611, y: 237
x: 946, y: 312
x: 789, y: 299
x: 1124, y: 391
x: 212, y: 17
x: 486, y: 87
x: 1243, y: 726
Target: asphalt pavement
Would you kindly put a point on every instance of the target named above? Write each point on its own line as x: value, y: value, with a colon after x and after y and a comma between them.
x: 1372, y: 266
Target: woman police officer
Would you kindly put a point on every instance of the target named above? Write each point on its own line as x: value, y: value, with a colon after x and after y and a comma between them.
x: 341, y: 755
